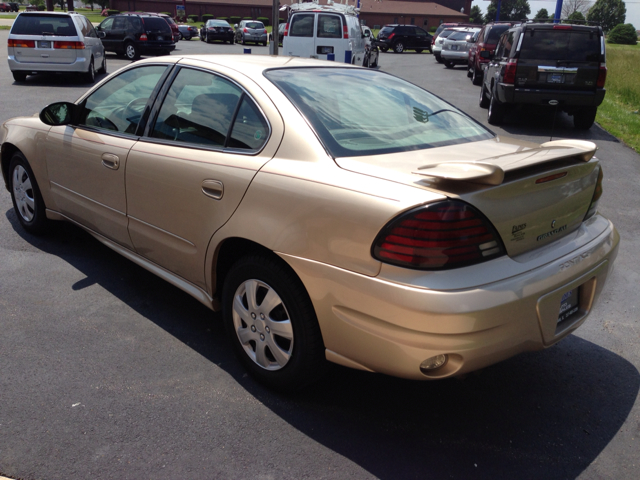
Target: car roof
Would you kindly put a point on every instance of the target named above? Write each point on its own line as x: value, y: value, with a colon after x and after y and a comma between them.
x: 61, y: 14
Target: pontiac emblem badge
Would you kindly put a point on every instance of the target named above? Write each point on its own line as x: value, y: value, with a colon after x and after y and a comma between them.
x: 553, y: 224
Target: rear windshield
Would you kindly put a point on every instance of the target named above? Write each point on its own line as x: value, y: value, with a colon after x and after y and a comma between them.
x: 156, y: 23
x: 254, y: 25
x: 386, y: 30
x: 362, y: 112
x: 446, y: 33
x: 494, y: 34
x: 570, y: 45
x: 302, y: 25
x: 218, y: 23
x: 43, y: 24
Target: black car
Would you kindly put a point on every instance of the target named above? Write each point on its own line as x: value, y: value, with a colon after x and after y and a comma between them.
x: 558, y: 66
x: 133, y: 35
x: 217, y: 30
x: 403, y: 37
x: 14, y: 6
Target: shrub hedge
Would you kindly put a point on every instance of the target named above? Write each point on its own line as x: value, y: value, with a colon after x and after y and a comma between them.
x: 623, y: 34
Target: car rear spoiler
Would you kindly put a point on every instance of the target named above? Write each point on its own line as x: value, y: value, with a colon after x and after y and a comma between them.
x: 491, y: 170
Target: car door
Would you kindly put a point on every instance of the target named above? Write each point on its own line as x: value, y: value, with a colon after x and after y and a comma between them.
x: 86, y: 161
x: 108, y: 40
x: 300, y: 39
x: 329, y: 37
x: 186, y: 177
x: 492, y: 72
x: 422, y: 39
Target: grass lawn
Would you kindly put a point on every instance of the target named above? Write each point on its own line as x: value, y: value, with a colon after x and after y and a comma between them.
x: 619, y: 112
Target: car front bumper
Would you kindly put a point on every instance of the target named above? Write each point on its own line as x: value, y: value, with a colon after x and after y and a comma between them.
x: 391, y: 327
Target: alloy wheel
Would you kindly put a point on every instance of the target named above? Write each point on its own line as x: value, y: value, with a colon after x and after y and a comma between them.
x: 23, y: 193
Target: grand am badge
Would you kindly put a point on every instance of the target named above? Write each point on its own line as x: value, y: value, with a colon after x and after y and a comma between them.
x: 552, y: 232
x: 517, y: 232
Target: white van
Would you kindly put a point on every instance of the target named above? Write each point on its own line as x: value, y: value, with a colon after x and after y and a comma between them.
x: 315, y: 30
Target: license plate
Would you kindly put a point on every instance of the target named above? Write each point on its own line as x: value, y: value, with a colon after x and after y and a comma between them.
x: 454, y: 47
x: 555, y: 78
x: 44, y: 44
x: 160, y: 38
x: 325, y: 50
x: 569, y: 305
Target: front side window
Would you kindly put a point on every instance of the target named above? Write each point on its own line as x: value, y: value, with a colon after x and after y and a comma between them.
x: 361, y: 112
x: 302, y: 25
x: 118, y: 105
x: 106, y: 25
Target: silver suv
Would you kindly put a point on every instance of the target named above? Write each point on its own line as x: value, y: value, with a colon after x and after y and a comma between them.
x: 42, y: 42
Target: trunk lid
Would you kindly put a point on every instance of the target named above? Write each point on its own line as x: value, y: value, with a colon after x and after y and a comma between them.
x: 532, y: 194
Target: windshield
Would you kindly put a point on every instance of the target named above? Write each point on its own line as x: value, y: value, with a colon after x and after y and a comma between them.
x: 361, y: 112
x: 44, y: 24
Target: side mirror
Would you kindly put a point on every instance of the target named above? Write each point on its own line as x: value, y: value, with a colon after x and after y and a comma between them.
x: 486, y: 54
x: 101, y: 34
x: 235, y: 26
x: 60, y: 113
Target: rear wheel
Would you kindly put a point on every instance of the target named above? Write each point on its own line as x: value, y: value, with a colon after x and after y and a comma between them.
x: 398, y: 47
x: 272, y: 324
x: 103, y: 68
x: 438, y: 57
x: 19, y: 76
x: 496, y: 111
x: 484, y: 101
x: 469, y: 72
x: 90, y: 75
x: 25, y: 195
x: 583, y: 119
x: 448, y: 64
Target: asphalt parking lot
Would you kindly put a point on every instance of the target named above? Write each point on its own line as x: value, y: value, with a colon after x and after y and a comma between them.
x: 106, y: 371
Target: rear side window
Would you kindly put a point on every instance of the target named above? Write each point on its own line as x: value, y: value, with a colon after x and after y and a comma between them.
x: 44, y: 25
x: 494, y: 34
x: 571, y: 45
x: 302, y: 25
x: 156, y: 24
x: 329, y: 26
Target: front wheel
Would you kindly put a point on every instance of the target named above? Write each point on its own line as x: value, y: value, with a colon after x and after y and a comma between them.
x: 271, y: 323
x: 476, y: 76
x: 25, y: 195
x: 384, y: 49
x: 131, y: 51
x: 583, y: 119
x: 398, y: 47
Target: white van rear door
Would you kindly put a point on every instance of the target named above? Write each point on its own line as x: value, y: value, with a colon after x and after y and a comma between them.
x: 330, y: 37
x: 300, y: 41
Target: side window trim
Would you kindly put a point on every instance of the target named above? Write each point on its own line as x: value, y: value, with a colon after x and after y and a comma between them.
x: 159, y: 101
x: 137, y: 134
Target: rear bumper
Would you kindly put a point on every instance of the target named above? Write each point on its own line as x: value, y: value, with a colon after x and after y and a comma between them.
x: 536, y: 96
x: 455, y: 56
x: 155, y: 49
x: 383, y: 326
x: 81, y: 64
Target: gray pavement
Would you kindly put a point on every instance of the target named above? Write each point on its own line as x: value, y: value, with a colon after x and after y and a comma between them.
x: 108, y: 372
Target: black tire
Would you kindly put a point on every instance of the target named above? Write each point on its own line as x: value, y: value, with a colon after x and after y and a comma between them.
x: 25, y: 195
x: 384, y: 49
x: 469, y: 71
x: 180, y: 36
x: 19, y: 76
x: 297, y: 361
x: 476, y: 76
x: 583, y: 119
x: 264, y: 44
x: 419, y: 50
x: 448, y: 64
x: 484, y: 101
x: 495, y: 114
x: 438, y: 57
x: 398, y: 47
x: 103, y: 68
x: 375, y: 64
x: 131, y: 52
x: 90, y: 74
x: 243, y: 42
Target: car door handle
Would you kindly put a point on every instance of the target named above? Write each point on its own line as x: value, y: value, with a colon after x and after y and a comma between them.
x: 111, y: 161
x: 213, y: 189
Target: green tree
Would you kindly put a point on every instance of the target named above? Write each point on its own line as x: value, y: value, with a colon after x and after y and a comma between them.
x: 509, y: 10
x: 542, y: 14
x: 475, y: 15
x: 624, y: 34
x: 576, y: 17
x: 608, y: 13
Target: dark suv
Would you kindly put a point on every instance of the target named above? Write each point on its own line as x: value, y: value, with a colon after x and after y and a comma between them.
x: 403, y: 37
x: 486, y: 41
x: 555, y: 65
x: 133, y: 35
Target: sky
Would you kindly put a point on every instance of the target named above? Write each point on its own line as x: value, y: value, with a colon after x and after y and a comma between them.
x: 633, y: 9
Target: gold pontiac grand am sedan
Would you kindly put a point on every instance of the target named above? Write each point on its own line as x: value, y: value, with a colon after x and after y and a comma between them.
x: 414, y: 243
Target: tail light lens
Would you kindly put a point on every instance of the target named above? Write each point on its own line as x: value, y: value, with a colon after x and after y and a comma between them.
x: 143, y: 37
x: 440, y: 236
x: 286, y: 30
x: 510, y: 71
x: 265, y: 31
x: 593, y: 207
x: 391, y: 36
x: 602, y: 75
x: 22, y: 43
x: 69, y: 45
x: 245, y: 30
x: 345, y: 31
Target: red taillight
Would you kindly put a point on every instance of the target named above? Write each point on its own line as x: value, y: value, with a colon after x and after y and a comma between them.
x: 602, y: 75
x: 440, y: 236
x: 391, y: 36
x: 562, y: 27
x: 345, y: 32
x: 143, y: 37
x: 22, y: 43
x: 69, y: 45
x: 265, y: 31
x: 245, y: 30
x: 286, y: 30
x: 510, y: 72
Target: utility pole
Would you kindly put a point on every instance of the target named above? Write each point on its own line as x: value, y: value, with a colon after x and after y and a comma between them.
x: 275, y: 23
